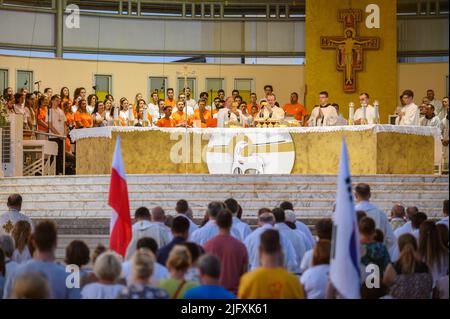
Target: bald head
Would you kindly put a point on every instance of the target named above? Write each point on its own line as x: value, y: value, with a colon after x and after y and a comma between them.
x: 158, y: 214
x: 398, y: 211
x: 15, y: 201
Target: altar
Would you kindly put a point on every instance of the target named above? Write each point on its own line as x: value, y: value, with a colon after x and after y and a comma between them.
x: 373, y: 149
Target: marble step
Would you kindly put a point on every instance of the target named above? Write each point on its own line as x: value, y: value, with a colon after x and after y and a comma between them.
x: 196, y: 178
x: 141, y: 195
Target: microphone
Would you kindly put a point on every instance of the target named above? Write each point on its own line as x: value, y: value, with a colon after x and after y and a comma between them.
x: 95, y: 87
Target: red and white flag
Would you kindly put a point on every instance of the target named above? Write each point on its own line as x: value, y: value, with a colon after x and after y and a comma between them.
x: 120, y: 227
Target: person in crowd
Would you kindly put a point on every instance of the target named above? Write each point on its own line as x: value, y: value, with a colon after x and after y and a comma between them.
x: 324, y: 229
x: 30, y: 113
x: 41, y: 115
x: 167, y: 120
x: 31, y: 285
x: 107, y: 269
x: 362, y: 196
x: 159, y: 270
x: 91, y: 102
x: 259, y: 283
x: 142, y: 268
x: 99, y: 116
x: 44, y: 240
x: 21, y: 234
x: 232, y: 253
x: 244, y: 229
x: 77, y: 255
x: 210, y: 269
x: 443, y: 234
x: 196, y: 251
x: 289, y: 207
x: 296, y: 109
x: 57, y: 126
x: 177, y: 264
x: 408, y: 277
x: 298, y: 242
x: 65, y: 95
x: 147, y: 225
x: 315, y: 278
x: 2, y: 271
x: 432, y: 251
x: 180, y: 233
x: 124, y: 111
x: 13, y: 215
x: 7, y: 247
x: 374, y: 252
x: 182, y: 209
x: 137, y: 97
x: 409, y: 113
x: 170, y: 100
x: 78, y: 95
x: 82, y: 118
x: 397, y: 216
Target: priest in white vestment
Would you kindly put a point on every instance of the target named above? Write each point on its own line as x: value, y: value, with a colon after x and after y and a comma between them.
x: 365, y: 111
x: 430, y: 119
x: 271, y: 110
x: 324, y: 114
x: 409, y: 113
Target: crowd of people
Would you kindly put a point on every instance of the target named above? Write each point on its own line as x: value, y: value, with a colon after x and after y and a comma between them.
x: 58, y: 114
x: 170, y: 256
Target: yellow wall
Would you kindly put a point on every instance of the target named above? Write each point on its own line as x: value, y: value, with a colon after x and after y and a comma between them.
x: 130, y: 78
x: 379, y: 74
x: 419, y: 77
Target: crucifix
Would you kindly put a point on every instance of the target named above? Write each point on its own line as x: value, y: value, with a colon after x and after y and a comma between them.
x: 349, y: 48
x: 185, y: 74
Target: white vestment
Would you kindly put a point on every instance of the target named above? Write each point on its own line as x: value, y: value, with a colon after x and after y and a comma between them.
x: 144, y: 228
x: 330, y: 116
x: 296, y: 240
x: 370, y: 114
x: 210, y: 230
x: 411, y: 116
x: 434, y: 122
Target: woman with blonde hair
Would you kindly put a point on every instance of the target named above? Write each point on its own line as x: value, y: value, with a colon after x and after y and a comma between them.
x: 142, y: 268
x: 30, y: 285
x: 107, y: 269
x: 408, y: 277
x: 21, y: 234
x: 178, y: 264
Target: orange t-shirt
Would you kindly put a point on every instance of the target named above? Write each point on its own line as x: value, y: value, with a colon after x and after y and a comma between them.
x: 42, y: 115
x: 84, y: 118
x: 70, y: 118
x: 207, y: 116
x: 170, y: 103
x: 297, y: 110
x: 166, y: 122
x: 179, y: 118
x: 249, y: 108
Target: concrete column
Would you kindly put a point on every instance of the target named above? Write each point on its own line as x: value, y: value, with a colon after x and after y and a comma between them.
x: 59, y: 28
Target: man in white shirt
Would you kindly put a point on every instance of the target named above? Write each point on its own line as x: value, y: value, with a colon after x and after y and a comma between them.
x: 230, y: 113
x: 288, y: 207
x: 266, y: 221
x: 189, y: 102
x: 324, y: 229
x: 430, y: 119
x: 341, y: 121
x: 293, y: 236
x: 409, y: 114
x: 210, y: 229
x: 365, y: 111
x: 270, y: 110
x: 433, y: 101
x: 406, y: 228
x: 13, y: 215
x: 323, y: 114
x: 182, y: 208
x: 153, y: 108
x: 444, y: 111
x: 147, y: 225
x: 362, y: 196
x: 243, y: 228
x: 444, y: 220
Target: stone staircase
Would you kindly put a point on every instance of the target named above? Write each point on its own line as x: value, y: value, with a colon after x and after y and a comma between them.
x: 79, y: 205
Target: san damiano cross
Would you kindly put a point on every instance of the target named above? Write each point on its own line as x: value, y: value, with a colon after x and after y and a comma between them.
x: 349, y: 48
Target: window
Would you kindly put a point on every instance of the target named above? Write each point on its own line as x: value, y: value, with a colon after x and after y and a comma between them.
x: 3, y: 80
x: 103, y: 86
x: 212, y: 86
x: 245, y: 88
x: 24, y: 79
x: 158, y: 85
x: 190, y: 84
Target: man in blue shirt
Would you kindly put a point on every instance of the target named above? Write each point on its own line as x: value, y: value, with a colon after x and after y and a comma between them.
x: 209, y: 268
x: 180, y: 232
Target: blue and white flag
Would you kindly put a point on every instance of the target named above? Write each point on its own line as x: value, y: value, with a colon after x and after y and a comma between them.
x: 345, y: 255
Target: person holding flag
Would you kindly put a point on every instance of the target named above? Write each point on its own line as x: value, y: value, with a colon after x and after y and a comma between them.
x: 120, y: 226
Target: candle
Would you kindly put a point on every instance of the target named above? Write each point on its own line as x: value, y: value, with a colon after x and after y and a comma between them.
x: 351, y: 113
x: 377, y: 114
x: 364, y: 114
